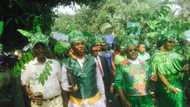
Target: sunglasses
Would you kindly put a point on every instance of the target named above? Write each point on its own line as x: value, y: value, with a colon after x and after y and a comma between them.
x: 130, y: 50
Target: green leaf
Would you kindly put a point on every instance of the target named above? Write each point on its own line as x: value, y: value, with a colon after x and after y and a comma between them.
x: 1, y: 27
x: 25, y: 33
x: 43, y: 77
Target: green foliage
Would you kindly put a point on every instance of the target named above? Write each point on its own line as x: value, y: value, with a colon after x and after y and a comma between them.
x: 144, y: 20
x: 34, y: 37
x: 26, y: 57
x: 61, y: 47
x: 43, y: 77
x: 1, y: 27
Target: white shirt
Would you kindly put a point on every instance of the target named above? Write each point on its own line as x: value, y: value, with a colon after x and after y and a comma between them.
x: 144, y: 57
x: 81, y: 61
x: 64, y: 79
x: 99, y: 65
x: 136, y: 61
x: 30, y: 74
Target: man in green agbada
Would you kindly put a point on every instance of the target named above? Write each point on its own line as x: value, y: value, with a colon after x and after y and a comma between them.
x: 132, y: 81
x: 85, y: 79
x: 166, y: 66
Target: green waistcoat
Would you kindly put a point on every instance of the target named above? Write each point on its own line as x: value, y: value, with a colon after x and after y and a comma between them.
x: 84, y: 77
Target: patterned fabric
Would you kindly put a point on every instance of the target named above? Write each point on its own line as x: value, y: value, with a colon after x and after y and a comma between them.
x: 133, y: 79
x: 56, y: 102
x: 168, y: 64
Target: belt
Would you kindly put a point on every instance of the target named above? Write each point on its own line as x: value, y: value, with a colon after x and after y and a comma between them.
x: 49, y: 99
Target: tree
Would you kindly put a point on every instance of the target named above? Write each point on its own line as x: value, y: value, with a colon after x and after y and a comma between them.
x: 21, y: 13
x: 141, y: 19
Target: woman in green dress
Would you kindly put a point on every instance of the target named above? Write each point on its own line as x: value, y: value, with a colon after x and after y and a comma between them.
x: 166, y: 67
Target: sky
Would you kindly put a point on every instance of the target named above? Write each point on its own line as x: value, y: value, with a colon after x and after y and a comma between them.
x: 70, y: 9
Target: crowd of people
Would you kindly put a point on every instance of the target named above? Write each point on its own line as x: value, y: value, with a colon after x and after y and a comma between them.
x: 92, y: 73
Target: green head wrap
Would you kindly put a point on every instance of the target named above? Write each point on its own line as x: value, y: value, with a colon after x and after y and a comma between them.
x: 97, y: 40
x: 168, y: 36
x: 61, y: 47
x: 76, y: 36
x: 124, y: 42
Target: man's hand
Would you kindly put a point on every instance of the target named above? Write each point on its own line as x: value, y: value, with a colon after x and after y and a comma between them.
x: 74, y: 88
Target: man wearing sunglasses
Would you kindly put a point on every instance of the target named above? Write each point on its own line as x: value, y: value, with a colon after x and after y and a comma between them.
x: 131, y: 81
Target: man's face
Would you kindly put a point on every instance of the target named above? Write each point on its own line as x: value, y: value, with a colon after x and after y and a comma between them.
x: 169, y: 45
x: 141, y: 48
x: 132, y: 52
x: 96, y: 49
x: 79, y: 48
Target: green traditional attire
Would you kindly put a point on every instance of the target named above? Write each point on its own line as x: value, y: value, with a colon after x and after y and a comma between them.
x: 168, y: 64
x: 133, y: 79
x: 85, y: 78
x: 83, y: 75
